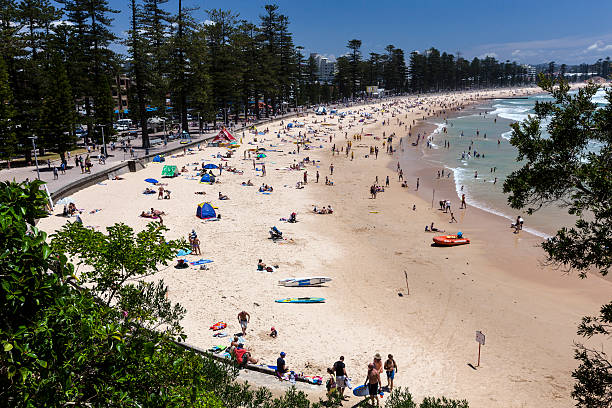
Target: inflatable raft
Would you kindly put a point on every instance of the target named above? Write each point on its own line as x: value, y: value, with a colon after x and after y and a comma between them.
x: 450, y: 240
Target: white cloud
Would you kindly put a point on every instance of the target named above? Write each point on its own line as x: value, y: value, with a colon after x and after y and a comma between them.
x: 208, y: 22
x: 488, y: 54
x: 599, y: 46
x: 570, y: 50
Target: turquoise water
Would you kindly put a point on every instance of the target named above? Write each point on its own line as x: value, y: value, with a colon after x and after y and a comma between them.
x: 493, y: 120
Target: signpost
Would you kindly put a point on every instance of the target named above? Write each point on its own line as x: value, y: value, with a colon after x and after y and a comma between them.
x: 480, y: 338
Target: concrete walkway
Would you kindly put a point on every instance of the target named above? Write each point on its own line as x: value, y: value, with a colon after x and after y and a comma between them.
x: 117, y: 156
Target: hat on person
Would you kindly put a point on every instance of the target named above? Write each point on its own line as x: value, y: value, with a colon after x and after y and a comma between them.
x: 272, y: 328
x: 377, y: 356
x: 282, y: 354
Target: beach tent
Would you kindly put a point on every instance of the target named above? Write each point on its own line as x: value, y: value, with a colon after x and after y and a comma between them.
x: 211, y: 166
x: 321, y: 110
x: 223, y: 137
x: 207, y: 178
x: 169, y: 171
x: 151, y: 180
x: 158, y: 159
x: 205, y: 211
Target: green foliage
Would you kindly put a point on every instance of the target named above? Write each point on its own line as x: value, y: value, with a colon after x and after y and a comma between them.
x: 443, y: 402
x: 57, y: 110
x: 594, y: 375
x: 7, y: 115
x: 565, y: 168
x: 572, y: 167
x: 400, y: 398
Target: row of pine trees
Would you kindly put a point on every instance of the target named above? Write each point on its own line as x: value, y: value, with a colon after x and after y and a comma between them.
x: 60, y: 65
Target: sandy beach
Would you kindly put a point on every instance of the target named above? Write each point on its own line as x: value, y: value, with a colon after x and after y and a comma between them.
x: 496, y: 284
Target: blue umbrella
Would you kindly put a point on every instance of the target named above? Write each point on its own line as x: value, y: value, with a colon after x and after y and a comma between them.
x: 211, y: 166
x: 151, y: 180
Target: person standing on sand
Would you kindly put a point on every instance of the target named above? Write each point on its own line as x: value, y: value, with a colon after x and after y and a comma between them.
x: 463, y: 204
x: 341, y: 376
x: 244, y: 318
x: 160, y: 195
x: 401, y: 175
x: 317, y: 176
x: 390, y: 369
x: 263, y: 170
x: 417, y: 186
x: 305, y: 177
x: 373, y: 381
x: 331, y: 169
x: 387, y: 182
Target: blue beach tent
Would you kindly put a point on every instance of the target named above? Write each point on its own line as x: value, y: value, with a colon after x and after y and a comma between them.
x: 205, y: 211
x: 159, y: 159
x: 207, y: 178
x: 211, y: 166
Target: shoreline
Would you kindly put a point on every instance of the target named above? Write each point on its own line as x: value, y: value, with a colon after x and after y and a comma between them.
x: 366, y: 247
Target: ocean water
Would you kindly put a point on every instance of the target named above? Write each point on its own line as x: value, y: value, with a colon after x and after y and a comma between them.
x: 485, y: 130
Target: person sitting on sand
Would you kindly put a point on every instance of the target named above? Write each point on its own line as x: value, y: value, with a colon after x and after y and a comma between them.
x: 200, y: 192
x: 328, y: 182
x: 223, y: 197
x: 167, y: 194
x: 330, y: 210
x: 281, y: 366
x: 273, y: 333
x: 292, y: 218
x: 149, y: 191
x: 260, y: 265
x: 299, y: 185
x: 243, y: 356
x: 431, y: 228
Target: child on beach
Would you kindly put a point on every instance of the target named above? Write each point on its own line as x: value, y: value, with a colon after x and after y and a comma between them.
x: 390, y: 369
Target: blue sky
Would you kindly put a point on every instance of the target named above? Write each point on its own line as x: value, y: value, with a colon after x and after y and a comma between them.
x: 526, y: 31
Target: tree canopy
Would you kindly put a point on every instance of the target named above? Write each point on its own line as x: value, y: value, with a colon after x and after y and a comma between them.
x: 570, y: 165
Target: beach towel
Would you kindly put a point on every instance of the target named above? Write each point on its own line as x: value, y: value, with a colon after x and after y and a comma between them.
x: 218, y: 326
x: 182, y: 252
x: 200, y: 262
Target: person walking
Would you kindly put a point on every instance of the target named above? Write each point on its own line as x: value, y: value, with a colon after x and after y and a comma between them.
x: 373, y: 382
x: 390, y: 369
x: 55, y: 174
x: 463, y: 204
x: 417, y: 184
x: 331, y: 169
x: 341, y: 376
x: 317, y: 176
x: 244, y: 318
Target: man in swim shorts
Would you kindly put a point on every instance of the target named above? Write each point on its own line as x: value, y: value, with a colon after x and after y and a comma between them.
x: 373, y: 381
x: 243, y: 319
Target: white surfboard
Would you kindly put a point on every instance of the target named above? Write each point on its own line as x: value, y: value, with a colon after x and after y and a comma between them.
x: 315, y: 281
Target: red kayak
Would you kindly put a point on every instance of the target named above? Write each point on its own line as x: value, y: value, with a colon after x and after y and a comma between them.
x: 450, y: 240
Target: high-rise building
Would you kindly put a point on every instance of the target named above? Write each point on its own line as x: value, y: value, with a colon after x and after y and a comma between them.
x: 326, y: 69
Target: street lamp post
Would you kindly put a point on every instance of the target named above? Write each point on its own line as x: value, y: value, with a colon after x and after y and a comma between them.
x: 199, y: 126
x: 35, y: 155
x: 103, y: 141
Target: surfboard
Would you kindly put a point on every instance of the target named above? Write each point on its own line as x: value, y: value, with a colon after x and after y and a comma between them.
x: 361, y: 391
x: 315, y: 281
x: 301, y: 300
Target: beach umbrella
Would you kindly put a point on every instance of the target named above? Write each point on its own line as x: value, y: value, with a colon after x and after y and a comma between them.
x: 65, y: 201
x: 211, y: 166
x: 151, y: 180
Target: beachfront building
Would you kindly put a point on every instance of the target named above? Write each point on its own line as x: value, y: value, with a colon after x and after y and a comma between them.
x: 120, y: 95
x: 326, y: 69
x: 530, y: 72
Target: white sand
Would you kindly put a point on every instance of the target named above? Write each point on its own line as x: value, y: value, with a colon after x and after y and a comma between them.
x: 496, y: 284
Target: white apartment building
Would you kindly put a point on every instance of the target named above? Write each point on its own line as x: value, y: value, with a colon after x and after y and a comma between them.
x: 326, y: 69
